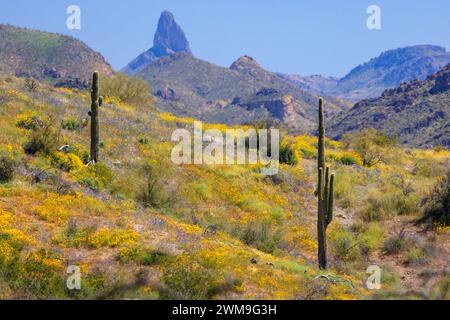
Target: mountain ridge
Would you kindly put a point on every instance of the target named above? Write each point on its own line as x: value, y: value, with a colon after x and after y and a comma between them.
x: 45, y: 55
x: 386, y: 71
x: 417, y: 112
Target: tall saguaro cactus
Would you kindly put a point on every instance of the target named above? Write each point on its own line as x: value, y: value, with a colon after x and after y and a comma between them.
x: 325, y: 190
x: 96, y: 102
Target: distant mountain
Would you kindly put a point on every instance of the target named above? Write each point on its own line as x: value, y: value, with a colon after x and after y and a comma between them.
x: 315, y: 83
x: 245, y: 92
x: 44, y: 55
x: 418, y: 113
x: 169, y: 38
x: 386, y: 71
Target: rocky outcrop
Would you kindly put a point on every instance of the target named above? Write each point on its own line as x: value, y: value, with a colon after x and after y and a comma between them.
x: 169, y: 38
x: 245, y: 63
x: 279, y: 106
x: 442, y: 81
x: 167, y: 94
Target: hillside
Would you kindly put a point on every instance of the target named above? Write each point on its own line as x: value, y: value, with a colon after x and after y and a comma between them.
x: 44, y: 55
x: 386, y: 71
x: 418, y: 113
x: 187, y: 86
x: 203, y: 231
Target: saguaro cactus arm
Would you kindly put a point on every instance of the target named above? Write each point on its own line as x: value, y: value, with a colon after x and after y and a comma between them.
x: 330, y: 201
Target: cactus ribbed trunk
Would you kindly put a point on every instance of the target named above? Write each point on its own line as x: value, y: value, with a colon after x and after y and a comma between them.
x: 325, y: 188
x: 96, y: 102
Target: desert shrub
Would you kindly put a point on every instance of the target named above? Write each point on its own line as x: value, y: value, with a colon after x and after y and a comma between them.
x: 260, y: 235
x: 350, y: 158
x: 436, y: 205
x: 31, y: 84
x: 344, y: 191
x: 287, y: 155
x: 144, y: 141
x: 370, y: 145
x: 189, y: 280
x: 371, y: 237
x: 67, y: 161
x: 72, y: 124
x: 345, y: 245
x: 397, y: 244
x: 7, y: 168
x: 155, y: 191
x: 103, y: 173
x: 29, y: 122
x: 140, y: 255
x: 384, y: 204
x: 35, y: 276
x: 424, y: 168
x: 130, y: 90
x: 80, y: 152
x: 45, y: 140
x: 90, y: 183
x: 415, y: 256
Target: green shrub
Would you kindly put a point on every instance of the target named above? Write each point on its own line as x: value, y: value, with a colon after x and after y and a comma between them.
x: 155, y: 191
x: 371, y: 237
x: 349, y: 159
x: 72, y: 124
x: 90, y: 183
x: 140, y: 255
x: 130, y: 90
x: 188, y: 280
x: 370, y: 145
x: 29, y: 123
x: 415, y: 256
x: 436, y: 206
x: 287, y: 155
x: 397, y: 244
x: 345, y: 245
x: 7, y: 168
x: 45, y: 140
x: 260, y: 235
x: 144, y: 141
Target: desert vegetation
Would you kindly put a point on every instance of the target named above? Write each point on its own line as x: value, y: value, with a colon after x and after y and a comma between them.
x: 139, y: 226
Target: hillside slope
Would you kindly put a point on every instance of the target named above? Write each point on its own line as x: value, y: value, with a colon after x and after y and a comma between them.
x: 418, y: 113
x: 44, y: 55
x: 187, y: 86
x: 205, y: 232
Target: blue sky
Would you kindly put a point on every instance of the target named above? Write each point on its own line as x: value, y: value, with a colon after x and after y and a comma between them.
x: 294, y: 36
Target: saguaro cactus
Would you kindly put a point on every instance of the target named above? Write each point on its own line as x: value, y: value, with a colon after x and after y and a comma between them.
x: 325, y: 190
x: 96, y: 102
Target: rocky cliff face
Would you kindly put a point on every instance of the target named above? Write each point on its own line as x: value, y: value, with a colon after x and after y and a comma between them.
x: 279, y: 106
x: 169, y: 38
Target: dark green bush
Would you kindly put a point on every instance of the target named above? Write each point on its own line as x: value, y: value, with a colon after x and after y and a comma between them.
x: 72, y: 124
x: 436, y: 206
x: 45, y: 140
x: 7, y: 168
x: 287, y: 155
